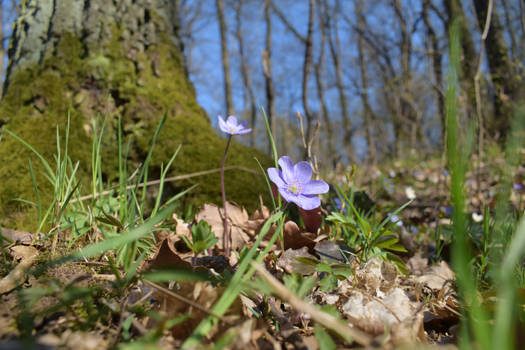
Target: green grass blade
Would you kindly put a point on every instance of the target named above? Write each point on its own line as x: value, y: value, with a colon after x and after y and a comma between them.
x: 49, y: 170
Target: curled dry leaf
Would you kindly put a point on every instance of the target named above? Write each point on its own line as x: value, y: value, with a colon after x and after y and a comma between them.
x: 25, y: 255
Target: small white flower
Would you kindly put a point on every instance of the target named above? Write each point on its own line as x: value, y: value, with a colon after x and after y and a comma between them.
x: 477, y: 217
x: 410, y: 193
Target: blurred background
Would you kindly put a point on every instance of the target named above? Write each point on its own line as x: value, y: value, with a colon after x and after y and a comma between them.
x: 372, y: 73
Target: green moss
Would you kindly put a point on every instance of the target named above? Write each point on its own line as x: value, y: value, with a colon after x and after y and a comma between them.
x: 109, y: 83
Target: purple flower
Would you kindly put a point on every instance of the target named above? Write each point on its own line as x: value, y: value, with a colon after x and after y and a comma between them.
x: 294, y: 183
x: 232, y: 126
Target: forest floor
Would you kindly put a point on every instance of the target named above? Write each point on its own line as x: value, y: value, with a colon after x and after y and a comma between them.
x: 390, y: 287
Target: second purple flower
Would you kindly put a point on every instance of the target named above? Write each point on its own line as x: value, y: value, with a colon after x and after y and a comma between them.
x: 295, y: 185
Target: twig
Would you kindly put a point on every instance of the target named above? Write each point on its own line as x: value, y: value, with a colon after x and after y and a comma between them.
x: 322, y: 317
x: 185, y: 300
x: 168, y: 179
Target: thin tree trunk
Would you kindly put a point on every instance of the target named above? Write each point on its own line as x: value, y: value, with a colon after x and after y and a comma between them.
x: 510, y: 30
x: 225, y: 56
x: 335, y: 51
x: 505, y: 80
x: 267, y: 70
x: 408, y: 110
x: 319, y: 67
x: 435, y: 59
x: 245, y: 70
x: 368, y: 113
x: 467, y: 73
x: 307, y: 66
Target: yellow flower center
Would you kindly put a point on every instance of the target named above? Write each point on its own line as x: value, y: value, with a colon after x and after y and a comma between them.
x: 295, y: 188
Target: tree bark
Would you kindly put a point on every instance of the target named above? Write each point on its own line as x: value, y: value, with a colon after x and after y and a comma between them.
x: 267, y: 71
x: 468, y: 64
x: 505, y: 79
x: 77, y: 60
x: 225, y: 57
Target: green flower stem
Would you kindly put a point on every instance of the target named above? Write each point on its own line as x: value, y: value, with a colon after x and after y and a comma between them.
x: 226, y: 234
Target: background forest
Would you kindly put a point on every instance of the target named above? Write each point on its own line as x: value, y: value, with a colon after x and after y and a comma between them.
x: 373, y: 73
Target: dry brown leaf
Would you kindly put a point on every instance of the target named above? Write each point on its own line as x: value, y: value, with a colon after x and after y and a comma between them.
x: 20, y: 237
x: 295, y: 237
x: 437, y: 277
x: 408, y: 332
x: 25, y: 255
x: 377, y: 277
x: 374, y: 314
x: 237, y: 217
x: 167, y: 257
x: 288, y: 261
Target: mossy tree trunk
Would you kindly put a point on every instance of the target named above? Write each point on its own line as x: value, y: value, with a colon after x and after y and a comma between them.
x: 109, y: 58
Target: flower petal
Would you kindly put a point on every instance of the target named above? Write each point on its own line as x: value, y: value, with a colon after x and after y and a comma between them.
x: 243, y: 131
x: 315, y: 187
x: 302, y: 172
x: 223, y: 126
x: 287, y: 167
x: 232, y: 120
x: 276, y: 176
x: 287, y: 195
x: 307, y: 202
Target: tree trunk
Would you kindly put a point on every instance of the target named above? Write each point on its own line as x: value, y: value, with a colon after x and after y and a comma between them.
x: 319, y: 68
x: 505, y: 79
x: 435, y: 59
x: 267, y: 71
x: 245, y: 71
x: 307, y: 67
x: 115, y: 59
x: 335, y: 51
x: 468, y: 57
x: 363, y: 70
x: 225, y: 56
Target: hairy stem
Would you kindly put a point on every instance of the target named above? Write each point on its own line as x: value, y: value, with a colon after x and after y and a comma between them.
x: 226, y: 234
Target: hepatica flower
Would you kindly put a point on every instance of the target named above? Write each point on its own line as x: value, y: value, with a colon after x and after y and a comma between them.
x: 232, y: 126
x: 295, y: 185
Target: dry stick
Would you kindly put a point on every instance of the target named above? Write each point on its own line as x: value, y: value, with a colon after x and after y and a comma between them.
x: 478, y: 95
x: 226, y: 233
x: 169, y: 179
x: 322, y: 317
x: 185, y: 300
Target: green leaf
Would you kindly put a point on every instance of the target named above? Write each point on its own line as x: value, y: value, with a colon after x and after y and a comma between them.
x: 328, y: 283
x: 324, y: 339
